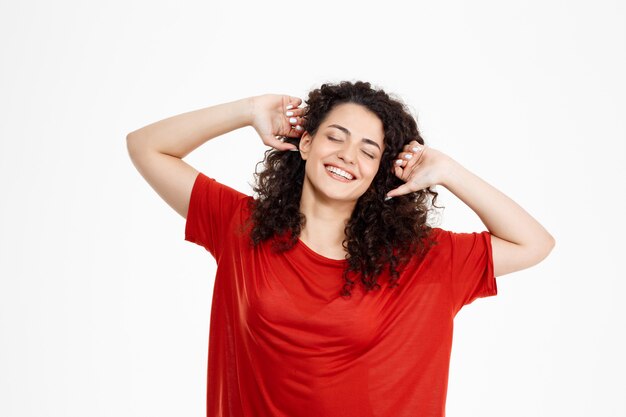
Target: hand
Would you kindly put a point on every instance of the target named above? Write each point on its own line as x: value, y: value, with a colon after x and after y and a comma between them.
x: 424, y: 168
x: 272, y: 118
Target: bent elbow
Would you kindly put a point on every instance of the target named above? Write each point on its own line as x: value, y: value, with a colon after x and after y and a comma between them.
x: 551, y: 243
x: 547, y: 247
x: 133, y: 143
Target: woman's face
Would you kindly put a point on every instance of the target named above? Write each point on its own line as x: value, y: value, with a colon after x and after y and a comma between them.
x: 350, y: 142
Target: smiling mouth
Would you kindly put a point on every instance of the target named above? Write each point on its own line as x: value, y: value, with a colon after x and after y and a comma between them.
x: 339, y: 174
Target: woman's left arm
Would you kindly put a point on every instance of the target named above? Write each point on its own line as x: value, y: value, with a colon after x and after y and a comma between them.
x: 518, y: 240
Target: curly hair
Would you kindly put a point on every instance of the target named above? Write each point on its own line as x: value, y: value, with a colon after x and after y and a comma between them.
x: 379, y: 233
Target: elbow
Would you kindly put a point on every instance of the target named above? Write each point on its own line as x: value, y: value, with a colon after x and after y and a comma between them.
x: 541, y: 248
x: 547, y: 246
x: 132, y: 142
x: 540, y: 251
x: 550, y: 242
x: 131, y: 137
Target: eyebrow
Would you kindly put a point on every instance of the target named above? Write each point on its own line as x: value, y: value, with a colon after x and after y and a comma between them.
x: 346, y: 131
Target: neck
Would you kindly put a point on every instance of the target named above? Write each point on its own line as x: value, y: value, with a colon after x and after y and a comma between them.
x: 325, y: 218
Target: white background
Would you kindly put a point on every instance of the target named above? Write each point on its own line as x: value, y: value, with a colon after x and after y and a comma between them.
x: 104, y: 308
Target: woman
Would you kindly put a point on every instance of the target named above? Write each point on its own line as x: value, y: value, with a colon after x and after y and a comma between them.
x: 292, y: 334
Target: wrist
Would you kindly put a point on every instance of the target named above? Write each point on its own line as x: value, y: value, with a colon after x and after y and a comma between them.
x: 245, y: 110
x: 449, y: 172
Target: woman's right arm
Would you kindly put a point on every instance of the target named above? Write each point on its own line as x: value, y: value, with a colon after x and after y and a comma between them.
x: 157, y: 149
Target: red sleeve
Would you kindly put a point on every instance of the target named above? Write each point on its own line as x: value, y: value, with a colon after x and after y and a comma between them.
x: 212, y: 206
x: 472, y: 267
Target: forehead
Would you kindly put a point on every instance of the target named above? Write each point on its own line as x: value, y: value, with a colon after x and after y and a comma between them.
x: 359, y: 120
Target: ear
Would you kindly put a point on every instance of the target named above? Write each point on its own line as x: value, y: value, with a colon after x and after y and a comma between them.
x: 305, y: 145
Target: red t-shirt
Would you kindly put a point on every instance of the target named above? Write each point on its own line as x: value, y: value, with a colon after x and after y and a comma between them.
x: 284, y: 343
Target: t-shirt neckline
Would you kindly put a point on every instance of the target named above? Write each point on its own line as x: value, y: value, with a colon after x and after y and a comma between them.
x: 321, y: 258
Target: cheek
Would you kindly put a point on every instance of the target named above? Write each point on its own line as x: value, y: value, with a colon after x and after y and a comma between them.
x: 311, y: 169
x: 372, y: 169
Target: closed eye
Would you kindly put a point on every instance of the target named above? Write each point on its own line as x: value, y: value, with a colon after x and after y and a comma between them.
x: 337, y: 140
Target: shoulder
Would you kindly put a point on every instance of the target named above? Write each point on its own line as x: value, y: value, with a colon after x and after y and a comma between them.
x: 437, y: 236
x: 448, y: 236
x: 214, y: 198
x: 437, y: 232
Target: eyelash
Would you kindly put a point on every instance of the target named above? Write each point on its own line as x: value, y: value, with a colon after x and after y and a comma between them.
x: 337, y: 140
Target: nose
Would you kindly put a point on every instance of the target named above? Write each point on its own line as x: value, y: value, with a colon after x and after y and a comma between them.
x: 348, y: 153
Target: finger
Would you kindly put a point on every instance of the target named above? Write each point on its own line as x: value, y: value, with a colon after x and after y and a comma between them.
x: 295, y: 131
x: 401, y: 190
x: 416, y: 143
x: 296, y: 126
x: 294, y: 121
x: 413, y: 146
x: 411, y: 159
x: 293, y: 102
x: 404, y: 160
x: 399, y: 163
x: 405, y: 173
x: 298, y: 112
x: 406, y: 156
x: 420, y: 150
x: 277, y: 144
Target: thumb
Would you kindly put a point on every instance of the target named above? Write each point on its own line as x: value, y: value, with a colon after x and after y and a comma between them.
x: 276, y: 143
x: 401, y: 190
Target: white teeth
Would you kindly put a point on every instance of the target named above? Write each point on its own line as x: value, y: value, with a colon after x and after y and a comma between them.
x: 339, y: 172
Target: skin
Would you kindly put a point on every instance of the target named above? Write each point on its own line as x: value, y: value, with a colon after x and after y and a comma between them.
x: 518, y: 240
x: 326, y: 202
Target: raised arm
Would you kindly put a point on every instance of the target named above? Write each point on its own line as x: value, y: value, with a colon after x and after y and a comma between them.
x: 157, y: 149
x: 518, y: 240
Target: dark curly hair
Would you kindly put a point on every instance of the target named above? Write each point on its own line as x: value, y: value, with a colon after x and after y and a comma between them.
x: 379, y: 233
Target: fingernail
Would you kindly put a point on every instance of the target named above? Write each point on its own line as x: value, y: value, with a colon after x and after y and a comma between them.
x: 293, y: 120
x: 294, y: 150
x: 388, y: 198
x: 289, y: 107
x: 408, y: 156
x: 417, y: 149
x: 299, y: 127
x: 398, y: 161
x: 289, y: 113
